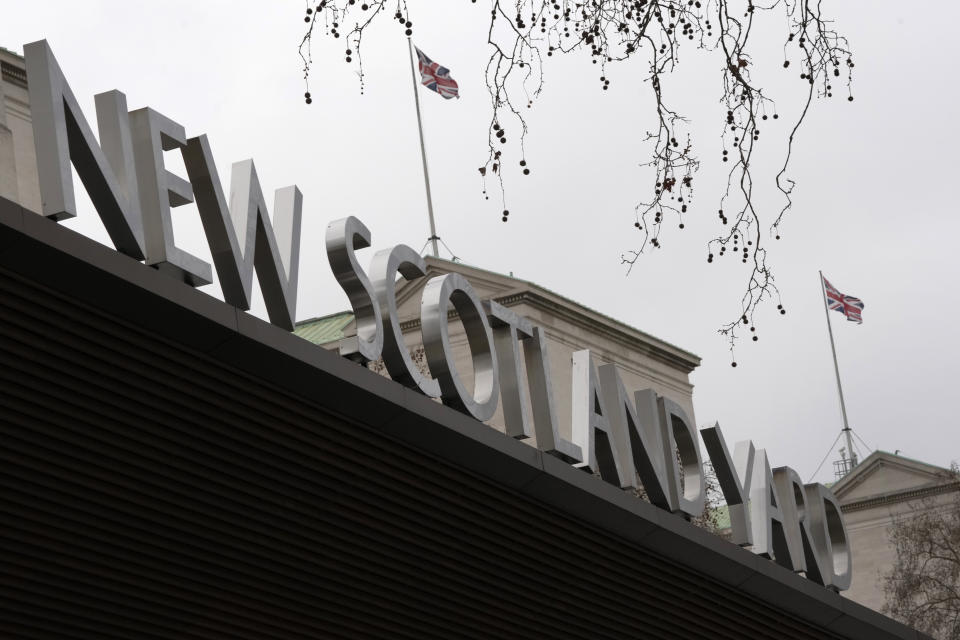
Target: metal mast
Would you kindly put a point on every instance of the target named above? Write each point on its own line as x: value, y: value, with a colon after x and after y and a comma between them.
x: 423, y: 155
x: 836, y: 369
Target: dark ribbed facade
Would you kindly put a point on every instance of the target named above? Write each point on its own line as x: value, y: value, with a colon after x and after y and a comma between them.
x: 173, y: 468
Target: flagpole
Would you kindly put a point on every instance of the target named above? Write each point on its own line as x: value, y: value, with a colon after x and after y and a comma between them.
x: 836, y: 369
x: 423, y: 154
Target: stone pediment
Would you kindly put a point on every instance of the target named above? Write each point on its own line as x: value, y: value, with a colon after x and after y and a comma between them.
x: 568, y: 321
x: 883, y: 473
x: 486, y: 284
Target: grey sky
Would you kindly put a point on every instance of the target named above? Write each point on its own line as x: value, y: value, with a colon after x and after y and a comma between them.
x: 874, y: 204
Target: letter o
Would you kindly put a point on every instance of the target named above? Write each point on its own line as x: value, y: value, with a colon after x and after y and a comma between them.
x: 840, y: 556
x: 830, y: 537
x: 439, y: 293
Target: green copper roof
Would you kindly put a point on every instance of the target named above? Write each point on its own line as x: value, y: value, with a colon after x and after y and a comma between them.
x: 325, y: 329
x: 11, y: 52
x: 723, y: 516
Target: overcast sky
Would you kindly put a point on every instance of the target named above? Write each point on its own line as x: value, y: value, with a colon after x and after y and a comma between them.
x: 874, y: 202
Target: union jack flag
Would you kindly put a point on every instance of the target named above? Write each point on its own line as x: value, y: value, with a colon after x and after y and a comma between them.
x: 847, y: 305
x: 436, y: 78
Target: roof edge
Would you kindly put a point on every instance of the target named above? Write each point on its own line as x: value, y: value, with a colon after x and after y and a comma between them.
x: 572, y: 308
x: 869, y: 464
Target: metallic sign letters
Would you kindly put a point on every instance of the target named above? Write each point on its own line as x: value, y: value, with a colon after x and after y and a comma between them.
x: 641, y: 441
x: 649, y: 441
x: 133, y: 193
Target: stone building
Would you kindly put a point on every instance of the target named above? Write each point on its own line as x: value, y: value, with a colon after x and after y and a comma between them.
x: 880, y: 488
x: 644, y: 362
x: 174, y: 468
x: 18, y: 160
x: 883, y: 487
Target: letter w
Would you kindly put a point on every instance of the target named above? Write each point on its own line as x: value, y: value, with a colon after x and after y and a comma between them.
x: 242, y: 238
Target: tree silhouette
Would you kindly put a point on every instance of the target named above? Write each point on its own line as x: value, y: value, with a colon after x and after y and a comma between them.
x: 922, y: 588
x: 522, y: 34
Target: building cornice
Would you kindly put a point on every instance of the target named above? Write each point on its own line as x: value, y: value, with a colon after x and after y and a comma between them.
x: 13, y: 74
x: 897, y: 497
x: 627, y: 337
x: 617, y: 332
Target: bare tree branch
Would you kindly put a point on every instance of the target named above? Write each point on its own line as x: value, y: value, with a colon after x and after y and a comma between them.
x: 522, y: 33
x: 922, y: 588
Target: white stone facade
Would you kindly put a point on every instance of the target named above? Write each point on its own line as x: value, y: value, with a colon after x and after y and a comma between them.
x: 880, y: 489
x: 644, y: 362
x: 18, y: 160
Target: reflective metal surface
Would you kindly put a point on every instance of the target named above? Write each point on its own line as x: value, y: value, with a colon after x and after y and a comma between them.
x: 62, y: 135
x: 116, y: 142
x: 242, y: 237
x: 639, y: 435
x: 766, y: 517
x: 276, y: 256
x: 793, y: 505
x: 384, y: 267
x: 439, y: 293
x: 830, y: 537
x: 592, y: 430
x: 343, y: 238
x: 801, y: 527
x: 680, y: 439
x: 545, y: 423
x: 729, y: 475
x: 509, y: 329
x: 154, y: 133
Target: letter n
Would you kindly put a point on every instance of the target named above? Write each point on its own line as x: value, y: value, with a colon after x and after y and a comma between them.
x: 61, y: 135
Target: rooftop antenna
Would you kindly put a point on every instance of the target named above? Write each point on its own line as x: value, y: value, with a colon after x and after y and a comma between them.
x: 844, y: 465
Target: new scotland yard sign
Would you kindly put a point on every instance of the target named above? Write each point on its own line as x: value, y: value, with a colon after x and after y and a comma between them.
x: 621, y: 436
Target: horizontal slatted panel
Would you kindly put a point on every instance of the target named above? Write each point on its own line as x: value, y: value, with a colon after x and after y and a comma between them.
x: 151, y: 492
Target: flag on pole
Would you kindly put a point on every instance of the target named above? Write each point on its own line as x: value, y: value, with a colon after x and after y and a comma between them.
x: 436, y: 78
x: 847, y: 305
